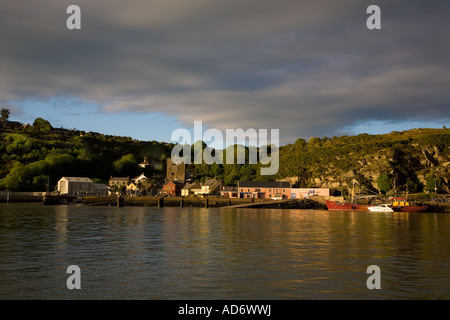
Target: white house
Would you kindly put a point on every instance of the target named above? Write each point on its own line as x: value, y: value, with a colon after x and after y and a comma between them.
x: 75, y: 185
x: 140, y: 178
x: 211, y: 186
x: 191, y: 189
x: 196, y: 189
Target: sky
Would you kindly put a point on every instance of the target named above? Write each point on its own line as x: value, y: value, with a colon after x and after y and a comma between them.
x: 144, y: 68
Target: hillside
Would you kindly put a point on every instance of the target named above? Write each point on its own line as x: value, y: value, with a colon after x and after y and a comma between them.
x: 405, y: 161
x: 33, y: 156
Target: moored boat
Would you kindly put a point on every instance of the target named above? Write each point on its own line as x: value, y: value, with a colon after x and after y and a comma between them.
x: 397, y: 205
x: 336, y: 205
x: 381, y: 208
x: 402, y: 205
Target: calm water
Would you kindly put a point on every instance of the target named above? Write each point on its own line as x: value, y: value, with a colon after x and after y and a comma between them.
x: 196, y: 253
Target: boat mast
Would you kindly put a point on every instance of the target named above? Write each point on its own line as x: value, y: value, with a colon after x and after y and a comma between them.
x: 353, y: 189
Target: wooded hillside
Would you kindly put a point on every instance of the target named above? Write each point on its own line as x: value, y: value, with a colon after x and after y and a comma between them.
x: 414, y: 161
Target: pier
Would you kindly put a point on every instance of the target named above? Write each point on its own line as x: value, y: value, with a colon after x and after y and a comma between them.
x: 260, y: 204
x: 210, y: 202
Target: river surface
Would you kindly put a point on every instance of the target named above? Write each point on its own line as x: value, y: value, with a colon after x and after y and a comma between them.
x: 198, y: 253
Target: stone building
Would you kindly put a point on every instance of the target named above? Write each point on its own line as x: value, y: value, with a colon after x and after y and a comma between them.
x: 75, y: 185
x: 175, y: 172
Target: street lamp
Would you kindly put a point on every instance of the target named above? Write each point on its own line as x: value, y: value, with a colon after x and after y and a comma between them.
x: 435, y: 187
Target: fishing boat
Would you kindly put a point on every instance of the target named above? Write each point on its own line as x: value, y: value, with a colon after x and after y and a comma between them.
x: 381, y: 208
x: 399, y: 204
x: 352, y: 206
x: 402, y: 205
x: 336, y: 205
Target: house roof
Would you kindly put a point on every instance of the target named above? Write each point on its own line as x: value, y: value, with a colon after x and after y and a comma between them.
x: 190, y: 186
x: 76, y: 179
x: 179, y: 183
x: 264, y: 184
x: 100, y: 186
x: 141, y: 176
x: 228, y: 189
x: 211, y: 182
x: 120, y: 178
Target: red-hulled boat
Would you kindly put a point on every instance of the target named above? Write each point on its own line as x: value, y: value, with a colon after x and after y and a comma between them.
x: 409, y: 208
x: 402, y: 205
x: 336, y: 205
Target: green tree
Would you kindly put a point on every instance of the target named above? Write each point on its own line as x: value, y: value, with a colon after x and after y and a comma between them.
x: 15, y: 178
x: 216, y: 171
x: 247, y: 172
x: 4, y: 114
x: 433, y: 182
x: 314, y: 141
x: 126, y: 166
x: 404, y: 165
x: 231, y: 175
x: 41, y: 125
x: 384, y: 182
x: 413, y: 184
x: 300, y: 142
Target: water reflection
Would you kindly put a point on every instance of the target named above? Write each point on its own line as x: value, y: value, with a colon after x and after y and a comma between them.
x: 198, y: 253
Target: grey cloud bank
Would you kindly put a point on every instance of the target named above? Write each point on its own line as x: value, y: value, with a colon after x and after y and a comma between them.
x: 304, y: 67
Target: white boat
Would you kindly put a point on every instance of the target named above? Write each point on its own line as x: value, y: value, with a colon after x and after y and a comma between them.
x: 381, y: 208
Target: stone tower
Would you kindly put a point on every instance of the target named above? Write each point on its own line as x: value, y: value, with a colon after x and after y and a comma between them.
x: 175, y: 172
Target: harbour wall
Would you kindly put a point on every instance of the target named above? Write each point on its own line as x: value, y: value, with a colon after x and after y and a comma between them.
x: 12, y: 196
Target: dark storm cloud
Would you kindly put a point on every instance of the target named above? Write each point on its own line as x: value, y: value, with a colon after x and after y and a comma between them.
x: 304, y: 67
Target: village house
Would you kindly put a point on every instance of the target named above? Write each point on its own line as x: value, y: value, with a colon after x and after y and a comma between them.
x: 211, y: 186
x: 191, y: 189
x: 144, y: 164
x: 229, y: 192
x: 139, y: 179
x: 152, y: 163
x: 172, y: 188
x: 132, y: 189
x: 264, y: 189
x: 100, y: 189
x: 119, y: 181
x: 75, y: 185
x: 298, y: 193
